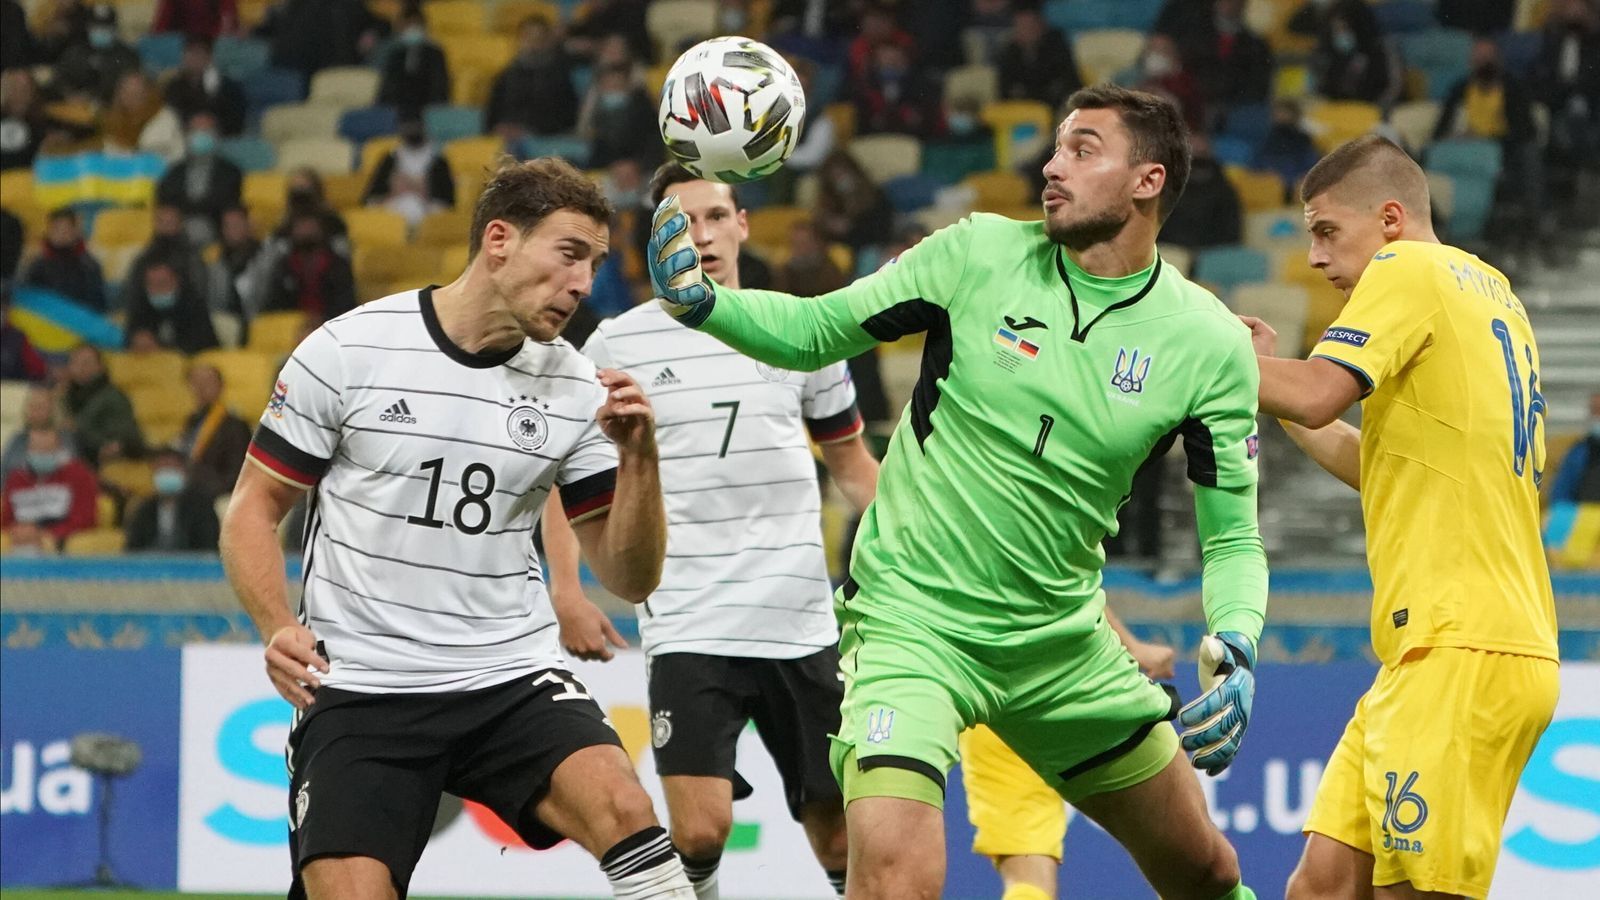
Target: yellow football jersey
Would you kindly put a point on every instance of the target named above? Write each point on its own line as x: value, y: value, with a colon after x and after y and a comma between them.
x: 1452, y: 449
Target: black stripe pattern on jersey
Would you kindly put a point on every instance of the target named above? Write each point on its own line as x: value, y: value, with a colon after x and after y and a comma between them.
x: 909, y: 317
x: 278, y: 447
x: 830, y: 427
x: 588, y: 493
x: 1201, y: 451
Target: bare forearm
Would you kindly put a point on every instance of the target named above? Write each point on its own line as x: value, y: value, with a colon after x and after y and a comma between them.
x: 633, y: 544
x: 560, y: 551
x: 853, y: 470
x: 1122, y: 632
x: 253, y: 561
x: 1290, y: 390
x: 1335, y: 447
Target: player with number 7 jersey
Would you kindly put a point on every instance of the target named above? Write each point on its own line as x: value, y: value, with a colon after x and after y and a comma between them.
x: 1441, y: 355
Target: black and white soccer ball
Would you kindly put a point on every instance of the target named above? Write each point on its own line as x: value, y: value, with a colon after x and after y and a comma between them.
x: 731, y: 110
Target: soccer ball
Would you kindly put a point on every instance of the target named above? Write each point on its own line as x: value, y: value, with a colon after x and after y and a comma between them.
x: 731, y: 110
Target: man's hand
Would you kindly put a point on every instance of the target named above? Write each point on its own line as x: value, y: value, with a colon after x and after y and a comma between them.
x: 1155, y: 660
x: 1214, y: 724
x: 626, y: 418
x: 293, y: 664
x: 586, y: 630
x: 674, y: 266
x: 1262, y: 337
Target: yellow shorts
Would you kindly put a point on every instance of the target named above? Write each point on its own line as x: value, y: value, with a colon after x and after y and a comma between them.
x: 1014, y: 811
x: 1424, y: 774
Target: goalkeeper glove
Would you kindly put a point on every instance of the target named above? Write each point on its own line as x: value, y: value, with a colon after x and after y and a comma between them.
x: 674, y: 265
x: 1214, y: 724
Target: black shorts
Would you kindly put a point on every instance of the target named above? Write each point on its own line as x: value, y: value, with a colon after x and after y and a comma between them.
x: 700, y: 703
x: 367, y: 770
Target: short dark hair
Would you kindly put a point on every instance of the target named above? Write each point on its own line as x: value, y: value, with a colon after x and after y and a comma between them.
x: 1370, y: 165
x: 525, y: 193
x: 669, y: 174
x: 64, y: 212
x: 1156, y: 128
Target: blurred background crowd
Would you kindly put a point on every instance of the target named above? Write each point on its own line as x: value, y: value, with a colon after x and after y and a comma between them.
x: 189, y: 186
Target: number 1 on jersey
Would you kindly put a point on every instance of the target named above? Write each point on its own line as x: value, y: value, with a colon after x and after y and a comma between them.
x: 1527, y: 410
x: 1046, y: 422
x: 732, y: 406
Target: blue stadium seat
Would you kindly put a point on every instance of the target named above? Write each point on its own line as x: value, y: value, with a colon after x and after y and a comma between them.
x: 1140, y: 15
x: 949, y: 163
x: 361, y: 125
x: 160, y: 52
x: 1233, y: 151
x: 582, y: 77
x: 909, y: 193
x: 1466, y: 159
x: 1403, y: 16
x: 570, y: 147
x: 252, y: 154
x: 1474, y: 199
x: 1249, y: 122
x: 826, y: 85
x: 1442, y: 54
x: 241, y: 58
x: 270, y: 87
x: 446, y: 123
x: 1229, y: 267
x: 1073, y: 16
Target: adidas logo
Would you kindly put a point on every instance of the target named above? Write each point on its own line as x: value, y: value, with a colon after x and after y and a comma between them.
x: 665, y: 378
x: 400, y: 413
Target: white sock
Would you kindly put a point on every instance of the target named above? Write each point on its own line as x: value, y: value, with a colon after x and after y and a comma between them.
x: 643, y: 866
x: 702, y: 875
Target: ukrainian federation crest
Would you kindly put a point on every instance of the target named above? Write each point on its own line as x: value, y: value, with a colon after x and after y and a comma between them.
x: 880, y: 722
x: 528, y: 428
x: 661, y: 729
x: 1130, y: 372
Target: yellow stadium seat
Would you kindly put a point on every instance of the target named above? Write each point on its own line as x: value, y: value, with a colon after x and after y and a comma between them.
x: 484, y: 52
x: 469, y: 185
x: 453, y: 261
x: 1291, y: 82
x: 247, y: 378
x: 1441, y: 195
x: 264, y: 189
x: 1324, y: 300
x: 376, y: 228
x: 473, y: 155
x: 266, y: 217
x: 374, y: 150
x: 345, y: 87
x: 130, y: 476
x: 444, y: 229
x: 299, y: 120
x: 16, y: 187
x: 1257, y: 190
x: 93, y: 542
x: 161, y: 410
x: 325, y: 155
x: 769, y: 226
x: 1335, y: 122
x: 1180, y: 258
x: 119, y: 227
x: 470, y: 87
x: 673, y: 22
x: 116, y: 261
x: 381, y: 265
x: 275, y: 333
x: 996, y: 189
x: 887, y: 156
x: 977, y: 85
x: 254, y: 12
x: 162, y: 368
x: 105, y: 510
x: 509, y: 15
x: 1414, y: 122
x: 343, y: 192
x: 1015, y: 122
x: 1103, y: 52
x: 455, y: 17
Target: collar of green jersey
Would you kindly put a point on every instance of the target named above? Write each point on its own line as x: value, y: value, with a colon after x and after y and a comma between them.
x: 1104, y: 294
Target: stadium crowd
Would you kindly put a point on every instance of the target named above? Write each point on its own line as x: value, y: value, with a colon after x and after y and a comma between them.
x: 190, y: 186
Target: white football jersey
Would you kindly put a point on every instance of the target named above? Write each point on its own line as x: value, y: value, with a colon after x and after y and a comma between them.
x: 429, y: 468
x: 745, y: 572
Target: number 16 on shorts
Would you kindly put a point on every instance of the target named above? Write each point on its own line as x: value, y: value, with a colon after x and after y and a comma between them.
x: 1404, y: 811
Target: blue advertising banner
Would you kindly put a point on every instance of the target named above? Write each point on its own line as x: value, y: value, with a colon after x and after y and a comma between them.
x: 49, y: 809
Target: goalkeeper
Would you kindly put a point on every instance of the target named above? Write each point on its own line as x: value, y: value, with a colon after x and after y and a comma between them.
x: 1059, y: 356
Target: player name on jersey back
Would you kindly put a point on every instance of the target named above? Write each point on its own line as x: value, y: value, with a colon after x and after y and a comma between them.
x: 429, y: 468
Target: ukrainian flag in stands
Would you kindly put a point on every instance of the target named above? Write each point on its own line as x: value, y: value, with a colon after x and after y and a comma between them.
x: 116, y: 179
x: 56, y: 324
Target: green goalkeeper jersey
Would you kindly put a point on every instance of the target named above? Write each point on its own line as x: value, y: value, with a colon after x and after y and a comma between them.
x: 1042, y: 390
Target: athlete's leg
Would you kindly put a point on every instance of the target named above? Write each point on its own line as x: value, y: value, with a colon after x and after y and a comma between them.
x: 1164, y: 825
x: 1331, y: 870
x: 700, y: 809
x: 347, y: 878
x: 1027, y: 877
x: 596, y: 800
x: 896, y: 848
x: 1018, y: 820
x: 1404, y: 891
x: 824, y: 823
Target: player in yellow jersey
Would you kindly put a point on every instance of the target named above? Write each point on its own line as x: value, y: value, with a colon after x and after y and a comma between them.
x: 1439, y: 351
x: 1019, y: 820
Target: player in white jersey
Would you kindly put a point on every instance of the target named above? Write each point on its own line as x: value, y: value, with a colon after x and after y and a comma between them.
x: 430, y: 427
x: 742, y: 626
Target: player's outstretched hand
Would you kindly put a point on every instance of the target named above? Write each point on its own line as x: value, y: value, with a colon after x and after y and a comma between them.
x: 1214, y: 724
x: 674, y: 265
x: 293, y: 664
x: 586, y: 630
x: 1262, y: 336
x: 626, y: 418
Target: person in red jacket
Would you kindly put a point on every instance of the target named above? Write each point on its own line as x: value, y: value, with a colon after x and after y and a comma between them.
x: 50, y: 497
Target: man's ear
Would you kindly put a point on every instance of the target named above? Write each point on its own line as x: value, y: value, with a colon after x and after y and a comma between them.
x: 1152, y: 181
x: 1394, y: 216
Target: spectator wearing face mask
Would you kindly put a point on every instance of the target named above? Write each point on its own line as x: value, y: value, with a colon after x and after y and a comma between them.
x: 170, y: 242
x: 619, y: 120
x: 598, y: 20
x: 304, y: 194
x: 66, y: 266
x: 413, y: 179
x: 1036, y: 63
x: 203, y: 183
x: 1492, y: 104
x: 1567, y: 76
x: 198, y: 86
x: 26, y: 127
x: 59, y: 26
x: 136, y: 121
x: 49, y: 497
x: 1287, y: 149
x: 102, y: 417
x: 1214, y: 216
x: 92, y: 69
x: 897, y: 96
x: 1161, y: 71
x: 850, y: 208
x: 237, y: 249
x: 169, y: 313
x: 1351, y: 61
x: 534, y: 94
x: 414, y: 72
x: 40, y: 410
x: 311, y: 277
x: 809, y: 271
x: 178, y: 518
x: 1233, y: 63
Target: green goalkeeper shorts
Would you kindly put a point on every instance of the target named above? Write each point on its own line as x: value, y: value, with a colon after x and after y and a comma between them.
x: 1073, y: 705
